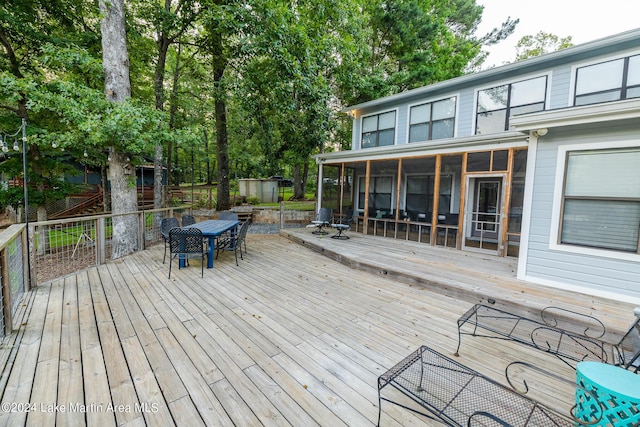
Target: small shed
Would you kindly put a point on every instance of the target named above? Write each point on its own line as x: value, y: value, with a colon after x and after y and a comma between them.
x: 264, y: 189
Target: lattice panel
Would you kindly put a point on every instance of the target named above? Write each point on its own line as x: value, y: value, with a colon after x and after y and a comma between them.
x: 616, y: 410
x: 16, y: 273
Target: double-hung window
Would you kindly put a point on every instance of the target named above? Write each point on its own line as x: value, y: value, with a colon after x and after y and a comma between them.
x: 497, y: 104
x: 432, y: 120
x: 601, y: 201
x: 378, y: 130
x: 608, y: 81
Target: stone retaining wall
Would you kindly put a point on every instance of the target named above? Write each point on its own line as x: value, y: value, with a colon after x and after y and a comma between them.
x: 264, y: 215
x: 272, y: 216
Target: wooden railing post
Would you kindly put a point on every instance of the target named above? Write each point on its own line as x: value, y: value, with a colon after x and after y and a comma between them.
x: 100, y: 241
x: 141, y: 230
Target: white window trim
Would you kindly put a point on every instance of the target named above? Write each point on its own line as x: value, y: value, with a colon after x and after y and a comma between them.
x: 574, y: 70
x: 432, y: 100
x: 395, y: 128
x: 547, y: 97
x: 554, y: 235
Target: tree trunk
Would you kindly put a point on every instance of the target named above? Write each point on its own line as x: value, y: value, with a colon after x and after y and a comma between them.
x: 117, y: 88
x: 124, y: 199
x: 300, y: 181
x: 219, y: 65
x: 158, y: 88
x: 205, y: 136
x: 224, y: 202
x: 172, y: 119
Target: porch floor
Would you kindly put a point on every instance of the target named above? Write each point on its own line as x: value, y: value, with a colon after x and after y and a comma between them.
x: 287, y: 338
x: 468, y: 276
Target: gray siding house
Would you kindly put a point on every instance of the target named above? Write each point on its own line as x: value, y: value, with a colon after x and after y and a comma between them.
x: 538, y: 159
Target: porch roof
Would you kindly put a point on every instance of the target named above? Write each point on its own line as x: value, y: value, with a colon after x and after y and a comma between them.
x: 501, y: 140
x: 628, y: 109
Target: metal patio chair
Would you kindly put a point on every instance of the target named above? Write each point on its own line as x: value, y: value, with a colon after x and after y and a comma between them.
x: 342, y: 226
x: 185, y: 244
x: 626, y: 353
x: 224, y: 215
x: 188, y: 220
x: 234, y: 243
x: 166, y: 224
x: 323, y: 219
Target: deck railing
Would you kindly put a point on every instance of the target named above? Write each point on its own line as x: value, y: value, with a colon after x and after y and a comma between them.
x: 56, y: 248
x: 13, y: 273
x: 61, y: 247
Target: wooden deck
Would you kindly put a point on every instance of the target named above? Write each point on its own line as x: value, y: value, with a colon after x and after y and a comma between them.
x: 287, y: 338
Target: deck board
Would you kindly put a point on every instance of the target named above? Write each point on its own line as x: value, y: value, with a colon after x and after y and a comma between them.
x: 288, y: 337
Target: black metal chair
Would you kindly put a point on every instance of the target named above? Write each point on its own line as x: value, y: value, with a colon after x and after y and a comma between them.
x: 235, y: 241
x: 227, y: 215
x: 188, y: 220
x: 223, y: 239
x: 343, y: 225
x: 166, y: 224
x: 323, y: 219
x: 185, y: 244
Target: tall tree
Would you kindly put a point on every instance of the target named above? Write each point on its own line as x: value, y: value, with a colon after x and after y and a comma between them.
x: 220, y: 27
x: 290, y: 53
x: 412, y: 43
x: 35, y: 36
x: 531, y: 46
x: 117, y: 88
x: 169, y: 21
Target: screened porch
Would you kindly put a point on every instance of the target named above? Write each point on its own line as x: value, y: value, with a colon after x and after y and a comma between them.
x: 469, y: 201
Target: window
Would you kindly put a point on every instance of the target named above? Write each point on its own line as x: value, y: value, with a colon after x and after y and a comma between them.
x: 433, y: 120
x: 378, y: 130
x: 497, y: 104
x: 601, y: 204
x: 608, y: 81
x: 380, y: 188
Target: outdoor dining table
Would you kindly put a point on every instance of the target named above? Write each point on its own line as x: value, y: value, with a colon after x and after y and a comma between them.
x: 211, y: 229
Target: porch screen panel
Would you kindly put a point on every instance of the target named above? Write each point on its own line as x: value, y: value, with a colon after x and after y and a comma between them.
x: 602, y: 199
x: 382, y: 194
x: 380, y: 190
x: 419, y: 189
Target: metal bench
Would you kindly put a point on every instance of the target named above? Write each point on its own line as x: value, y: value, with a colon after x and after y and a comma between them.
x: 456, y: 395
x: 570, y: 336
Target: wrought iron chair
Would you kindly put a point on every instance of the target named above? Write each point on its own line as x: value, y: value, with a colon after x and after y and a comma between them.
x: 343, y: 226
x: 227, y: 215
x: 323, y: 219
x: 166, y: 224
x: 223, y: 240
x: 185, y: 244
x: 235, y: 242
x: 188, y: 220
x: 627, y: 352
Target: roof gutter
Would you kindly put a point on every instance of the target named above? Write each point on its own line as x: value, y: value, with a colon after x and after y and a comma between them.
x: 443, y: 146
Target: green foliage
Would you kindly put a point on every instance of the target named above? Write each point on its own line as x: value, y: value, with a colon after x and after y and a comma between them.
x: 412, y: 43
x: 288, y: 68
x: 532, y: 46
x: 253, y: 200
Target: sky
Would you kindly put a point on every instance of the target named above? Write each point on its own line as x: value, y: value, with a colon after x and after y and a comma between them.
x: 584, y: 20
